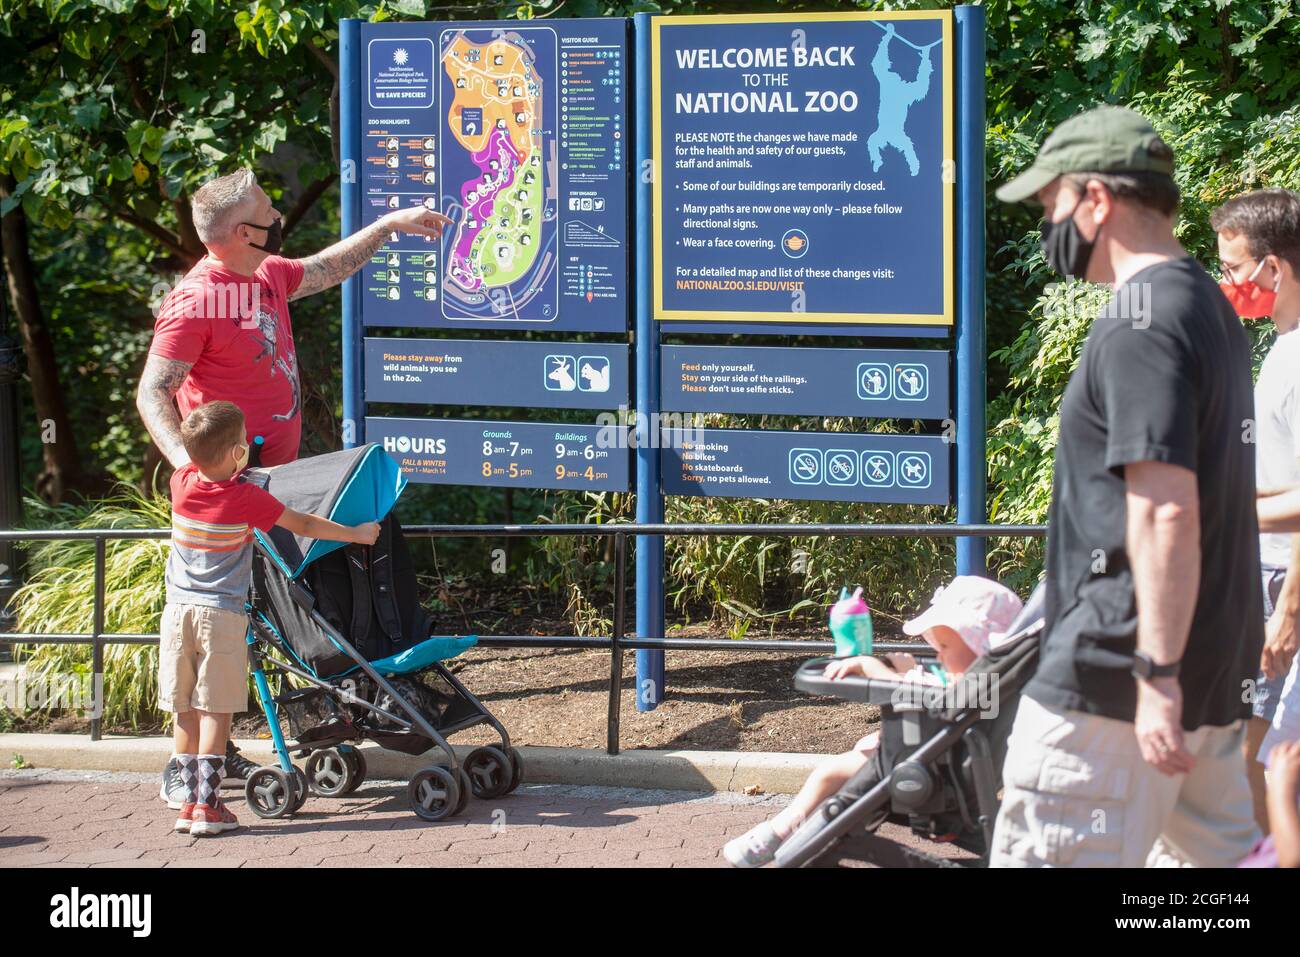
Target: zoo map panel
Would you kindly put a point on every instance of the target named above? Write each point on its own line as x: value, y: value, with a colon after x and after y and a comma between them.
x: 517, y: 133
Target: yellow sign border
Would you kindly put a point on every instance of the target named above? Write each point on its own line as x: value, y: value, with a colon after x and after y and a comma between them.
x: 659, y: 314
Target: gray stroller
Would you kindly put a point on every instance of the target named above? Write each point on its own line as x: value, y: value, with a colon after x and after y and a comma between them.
x: 939, y: 765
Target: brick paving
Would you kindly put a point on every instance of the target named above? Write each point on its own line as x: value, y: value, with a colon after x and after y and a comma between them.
x: 105, y: 819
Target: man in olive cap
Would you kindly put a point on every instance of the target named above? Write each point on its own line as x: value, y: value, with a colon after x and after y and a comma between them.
x: 1127, y: 743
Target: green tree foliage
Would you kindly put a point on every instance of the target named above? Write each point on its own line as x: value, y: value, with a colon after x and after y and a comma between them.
x: 109, y: 118
x: 120, y: 109
x: 1219, y: 80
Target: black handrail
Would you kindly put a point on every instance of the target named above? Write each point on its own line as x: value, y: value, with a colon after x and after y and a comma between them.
x: 616, y: 643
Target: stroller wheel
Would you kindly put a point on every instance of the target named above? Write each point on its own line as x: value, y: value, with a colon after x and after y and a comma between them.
x: 433, y: 793
x: 330, y: 773
x: 516, y: 770
x: 355, y: 758
x: 466, y: 786
x: 490, y: 772
x: 269, y: 793
x: 300, y: 789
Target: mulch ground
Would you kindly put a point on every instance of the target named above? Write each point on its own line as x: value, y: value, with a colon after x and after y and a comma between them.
x: 715, y: 700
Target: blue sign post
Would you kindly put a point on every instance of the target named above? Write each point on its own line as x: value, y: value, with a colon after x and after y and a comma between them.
x: 649, y: 494
x: 972, y: 372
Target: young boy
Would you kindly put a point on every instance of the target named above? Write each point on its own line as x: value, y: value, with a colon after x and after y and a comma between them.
x: 202, y: 661
x: 961, y: 623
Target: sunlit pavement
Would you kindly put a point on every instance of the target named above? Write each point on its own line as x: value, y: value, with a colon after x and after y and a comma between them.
x: 91, y: 818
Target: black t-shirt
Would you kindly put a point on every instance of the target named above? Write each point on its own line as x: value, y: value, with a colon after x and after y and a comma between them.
x: 1165, y: 380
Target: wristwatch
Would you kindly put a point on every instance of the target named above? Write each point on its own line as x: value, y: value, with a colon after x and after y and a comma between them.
x: 1146, y: 668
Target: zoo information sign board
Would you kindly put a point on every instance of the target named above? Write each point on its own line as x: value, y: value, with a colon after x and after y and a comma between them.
x: 803, y: 177
x: 866, y: 383
x: 804, y: 168
x: 796, y: 174
x: 834, y: 467
x: 506, y: 454
x: 517, y: 132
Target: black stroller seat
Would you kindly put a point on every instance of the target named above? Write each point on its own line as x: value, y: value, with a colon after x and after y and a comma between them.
x: 938, y: 766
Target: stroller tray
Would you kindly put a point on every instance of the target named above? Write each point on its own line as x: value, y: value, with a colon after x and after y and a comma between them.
x: 811, y: 679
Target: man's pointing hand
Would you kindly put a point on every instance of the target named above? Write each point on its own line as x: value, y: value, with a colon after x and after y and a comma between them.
x: 417, y: 219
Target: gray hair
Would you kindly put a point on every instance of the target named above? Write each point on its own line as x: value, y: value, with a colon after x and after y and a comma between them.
x: 217, y: 203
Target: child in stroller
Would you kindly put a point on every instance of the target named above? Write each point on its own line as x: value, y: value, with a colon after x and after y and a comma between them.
x: 347, y: 626
x: 962, y: 623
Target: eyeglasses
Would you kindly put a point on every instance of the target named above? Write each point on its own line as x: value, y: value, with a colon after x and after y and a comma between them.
x: 1229, y: 273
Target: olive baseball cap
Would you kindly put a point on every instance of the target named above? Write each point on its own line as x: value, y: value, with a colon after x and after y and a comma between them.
x: 1106, y: 139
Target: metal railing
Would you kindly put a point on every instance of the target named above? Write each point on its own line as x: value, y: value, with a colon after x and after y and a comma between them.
x: 616, y: 643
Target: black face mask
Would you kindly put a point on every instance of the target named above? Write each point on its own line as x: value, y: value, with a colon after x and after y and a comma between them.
x: 1064, y: 246
x: 273, y: 237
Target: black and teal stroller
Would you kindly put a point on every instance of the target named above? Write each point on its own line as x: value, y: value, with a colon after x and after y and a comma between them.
x: 341, y: 651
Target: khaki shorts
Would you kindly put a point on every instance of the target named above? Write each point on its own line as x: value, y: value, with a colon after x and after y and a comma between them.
x: 1079, y: 794
x: 203, y: 660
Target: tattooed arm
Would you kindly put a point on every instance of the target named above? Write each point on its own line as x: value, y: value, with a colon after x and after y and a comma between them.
x: 332, y: 265
x: 155, y: 398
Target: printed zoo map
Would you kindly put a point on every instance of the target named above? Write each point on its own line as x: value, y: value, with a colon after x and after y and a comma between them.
x: 500, y: 159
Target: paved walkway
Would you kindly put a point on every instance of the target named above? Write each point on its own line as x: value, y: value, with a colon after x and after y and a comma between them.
x: 96, y: 818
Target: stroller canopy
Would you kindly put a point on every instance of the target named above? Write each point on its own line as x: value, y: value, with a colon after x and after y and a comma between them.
x: 349, y: 487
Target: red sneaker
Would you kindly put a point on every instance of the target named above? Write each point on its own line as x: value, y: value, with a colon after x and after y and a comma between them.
x: 185, y: 819
x: 209, y: 820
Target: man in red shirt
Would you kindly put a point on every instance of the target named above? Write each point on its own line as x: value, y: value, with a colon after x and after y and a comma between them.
x: 224, y: 332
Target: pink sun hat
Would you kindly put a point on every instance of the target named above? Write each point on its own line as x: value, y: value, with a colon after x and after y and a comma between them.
x: 978, y: 609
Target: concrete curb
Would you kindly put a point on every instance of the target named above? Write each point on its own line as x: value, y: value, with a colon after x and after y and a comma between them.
x: 769, y: 772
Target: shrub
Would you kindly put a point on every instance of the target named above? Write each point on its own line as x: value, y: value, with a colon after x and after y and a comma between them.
x: 58, y: 597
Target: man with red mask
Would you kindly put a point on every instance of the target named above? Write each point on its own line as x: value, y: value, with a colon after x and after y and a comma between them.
x: 1259, y: 254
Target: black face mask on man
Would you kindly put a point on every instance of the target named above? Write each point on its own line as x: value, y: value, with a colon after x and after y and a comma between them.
x: 1064, y: 246
x: 274, y: 236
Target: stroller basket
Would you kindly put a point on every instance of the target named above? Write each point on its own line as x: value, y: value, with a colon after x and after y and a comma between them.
x: 310, y: 712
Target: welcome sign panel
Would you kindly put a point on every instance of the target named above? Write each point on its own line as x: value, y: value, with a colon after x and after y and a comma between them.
x: 804, y: 169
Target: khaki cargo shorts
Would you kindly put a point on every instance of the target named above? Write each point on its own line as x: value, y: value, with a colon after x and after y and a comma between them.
x: 1078, y: 793
x: 203, y: 660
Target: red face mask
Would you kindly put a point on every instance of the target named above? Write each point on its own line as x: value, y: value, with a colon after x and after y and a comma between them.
x: 1250, y: 301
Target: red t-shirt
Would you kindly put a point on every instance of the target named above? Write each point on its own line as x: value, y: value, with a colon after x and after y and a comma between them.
x: 212, y: 533
x: 235, y: 332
